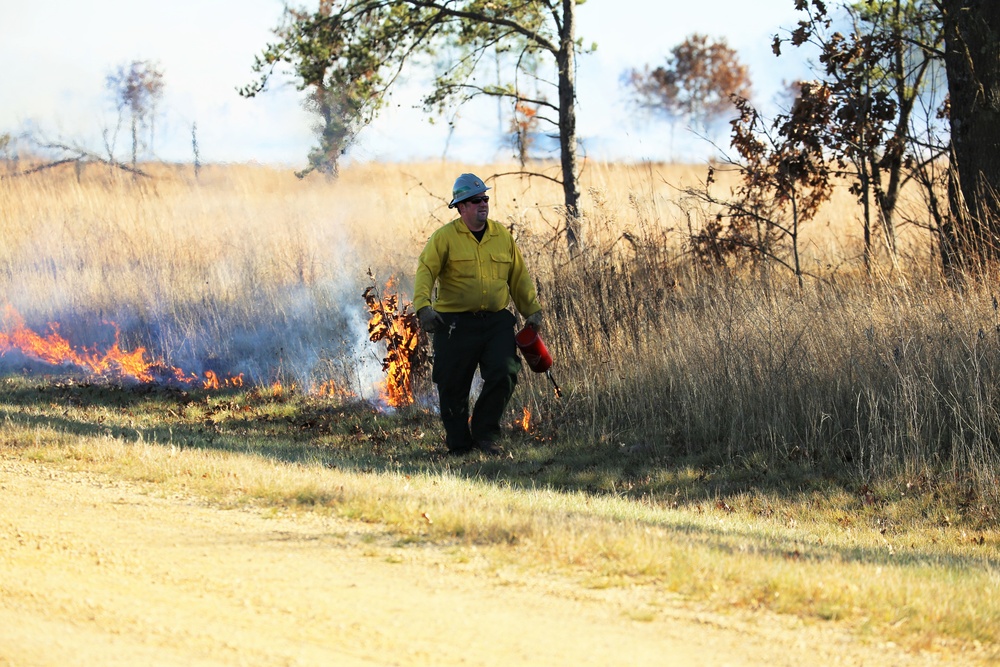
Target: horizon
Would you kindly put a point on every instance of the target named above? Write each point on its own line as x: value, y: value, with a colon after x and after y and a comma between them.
x: 206, y: 50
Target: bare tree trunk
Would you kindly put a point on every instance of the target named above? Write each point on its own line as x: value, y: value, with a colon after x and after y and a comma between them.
x: 948, y: 233
x: 194, y: 148
x: 889, y: 196
x: 566, y: 61
x: 866, y: 212
x: 972, y: 58
x: 135, y: 141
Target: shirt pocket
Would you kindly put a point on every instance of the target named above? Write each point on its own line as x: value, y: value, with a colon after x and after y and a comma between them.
x: 463, y: 266
x: 500, y: 265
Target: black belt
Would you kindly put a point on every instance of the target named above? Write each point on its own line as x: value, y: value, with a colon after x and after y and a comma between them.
x: 477, y: 313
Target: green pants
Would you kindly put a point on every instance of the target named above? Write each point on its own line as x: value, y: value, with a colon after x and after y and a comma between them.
x: 465, y: 342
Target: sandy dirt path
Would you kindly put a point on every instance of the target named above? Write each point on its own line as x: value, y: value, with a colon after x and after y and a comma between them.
x: 99, y: 572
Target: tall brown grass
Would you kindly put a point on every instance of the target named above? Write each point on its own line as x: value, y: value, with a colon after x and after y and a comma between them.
x: 879, y: 376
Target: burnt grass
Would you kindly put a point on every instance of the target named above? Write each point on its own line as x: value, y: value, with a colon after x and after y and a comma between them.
x: 296, y: 428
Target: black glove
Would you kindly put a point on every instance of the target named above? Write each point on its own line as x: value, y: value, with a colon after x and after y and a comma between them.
x: 430, y: 319
x: 534, y: 321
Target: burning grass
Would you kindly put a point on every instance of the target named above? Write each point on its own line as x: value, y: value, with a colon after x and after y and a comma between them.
x: 113, y: 363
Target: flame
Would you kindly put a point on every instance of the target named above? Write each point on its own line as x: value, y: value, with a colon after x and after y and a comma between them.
x: 330, y: 389
x: 54, y: 349
x: 525, y: 421
x: 212, y: 381
x: 399, y: 328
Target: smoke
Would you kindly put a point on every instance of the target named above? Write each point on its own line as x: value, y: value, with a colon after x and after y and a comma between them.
x: 301, y: 335
x: 237, y: 278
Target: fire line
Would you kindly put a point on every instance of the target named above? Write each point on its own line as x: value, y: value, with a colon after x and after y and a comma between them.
x: 52, y: 348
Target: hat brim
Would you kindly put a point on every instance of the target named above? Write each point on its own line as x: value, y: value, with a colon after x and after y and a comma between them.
x: 456, y: 202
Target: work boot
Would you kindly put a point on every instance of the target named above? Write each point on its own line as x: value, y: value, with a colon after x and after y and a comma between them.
x: 488, y: 448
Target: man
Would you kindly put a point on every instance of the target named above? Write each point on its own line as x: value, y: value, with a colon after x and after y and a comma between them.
x: 479, y: 270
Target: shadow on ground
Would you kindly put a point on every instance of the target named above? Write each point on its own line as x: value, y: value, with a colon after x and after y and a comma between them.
x: 357, y: 436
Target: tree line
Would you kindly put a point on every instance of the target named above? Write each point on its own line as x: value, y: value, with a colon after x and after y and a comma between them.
x: 903, y: 92
x: 135, y: 89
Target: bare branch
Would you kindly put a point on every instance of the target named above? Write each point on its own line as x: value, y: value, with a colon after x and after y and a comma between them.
x: 534, y: 174
x: 533, y: 35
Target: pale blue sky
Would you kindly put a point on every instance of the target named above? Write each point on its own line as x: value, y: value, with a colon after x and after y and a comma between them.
x: 57, y: 54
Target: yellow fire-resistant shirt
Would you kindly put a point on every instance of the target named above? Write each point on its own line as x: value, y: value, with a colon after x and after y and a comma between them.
x: 473, y: 275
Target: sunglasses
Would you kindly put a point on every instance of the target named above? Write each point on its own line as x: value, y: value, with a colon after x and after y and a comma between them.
x: 476, y: 200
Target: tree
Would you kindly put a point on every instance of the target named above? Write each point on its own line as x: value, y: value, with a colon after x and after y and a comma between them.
x: 972, y: 60
x: 695, y: 84
x: 137, y: 87
x: 334, y: 129
x: 342, y: 100
x: 785, y: 176
x: 7, y: 155
x: 880, y: 72
x: 194, y: 149
x: 358, y: 48
x: 523, y: 130
x: 875, y: 65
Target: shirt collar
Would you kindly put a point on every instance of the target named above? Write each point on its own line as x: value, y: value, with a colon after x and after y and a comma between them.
x: 488, y: 229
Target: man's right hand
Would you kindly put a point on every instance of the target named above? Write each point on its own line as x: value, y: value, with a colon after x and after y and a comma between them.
x: 430, y: 319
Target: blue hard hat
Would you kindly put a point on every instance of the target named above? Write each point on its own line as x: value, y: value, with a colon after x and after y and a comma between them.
x: 466, y: 187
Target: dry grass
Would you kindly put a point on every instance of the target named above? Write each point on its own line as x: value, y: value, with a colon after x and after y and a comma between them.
x: 822, y: 557
x: 831, y: 451
x: 250, y: 270
x: 877, y: 380
x: 245, y: 266
x: 244, y: 233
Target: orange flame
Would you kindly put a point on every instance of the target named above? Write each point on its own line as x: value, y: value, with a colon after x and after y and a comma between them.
x: 115, y: 362
x: 212, y: 381
x: 525, y: 421
x: 330, y: 389
x: 399, y: 328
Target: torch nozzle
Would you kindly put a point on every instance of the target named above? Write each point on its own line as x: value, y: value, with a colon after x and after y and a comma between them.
x: 554, y: 384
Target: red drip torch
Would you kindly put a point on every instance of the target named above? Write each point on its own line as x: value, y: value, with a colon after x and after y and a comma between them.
x: 535, y: 353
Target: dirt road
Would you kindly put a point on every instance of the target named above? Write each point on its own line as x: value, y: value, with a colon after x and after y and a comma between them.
x: 99, y: 572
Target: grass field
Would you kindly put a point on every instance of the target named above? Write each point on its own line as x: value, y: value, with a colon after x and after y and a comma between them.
x: 830, y: 452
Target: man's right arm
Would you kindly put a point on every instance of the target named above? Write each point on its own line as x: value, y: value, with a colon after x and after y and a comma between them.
x: 428, y: 268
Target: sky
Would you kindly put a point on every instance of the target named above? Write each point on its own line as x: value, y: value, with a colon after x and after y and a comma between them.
x: 58, y: 54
